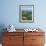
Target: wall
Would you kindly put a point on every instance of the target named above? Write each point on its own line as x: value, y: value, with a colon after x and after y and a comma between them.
x: 10, y: 13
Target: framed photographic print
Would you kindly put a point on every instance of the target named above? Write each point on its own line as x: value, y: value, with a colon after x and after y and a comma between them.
x: 26, y: 13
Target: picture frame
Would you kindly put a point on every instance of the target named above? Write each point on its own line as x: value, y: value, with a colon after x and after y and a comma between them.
x: 26, y: 13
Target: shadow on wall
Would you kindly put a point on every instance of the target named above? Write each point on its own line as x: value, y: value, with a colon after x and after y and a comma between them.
x: 2, y: 26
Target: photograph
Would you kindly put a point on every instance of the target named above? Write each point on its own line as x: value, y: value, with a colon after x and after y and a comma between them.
x: 26, y: 13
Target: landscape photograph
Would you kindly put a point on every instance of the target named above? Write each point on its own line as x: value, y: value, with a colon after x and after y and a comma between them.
x: 26, y: 13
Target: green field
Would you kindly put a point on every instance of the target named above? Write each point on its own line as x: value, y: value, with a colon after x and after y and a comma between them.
x: 26, y: 15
